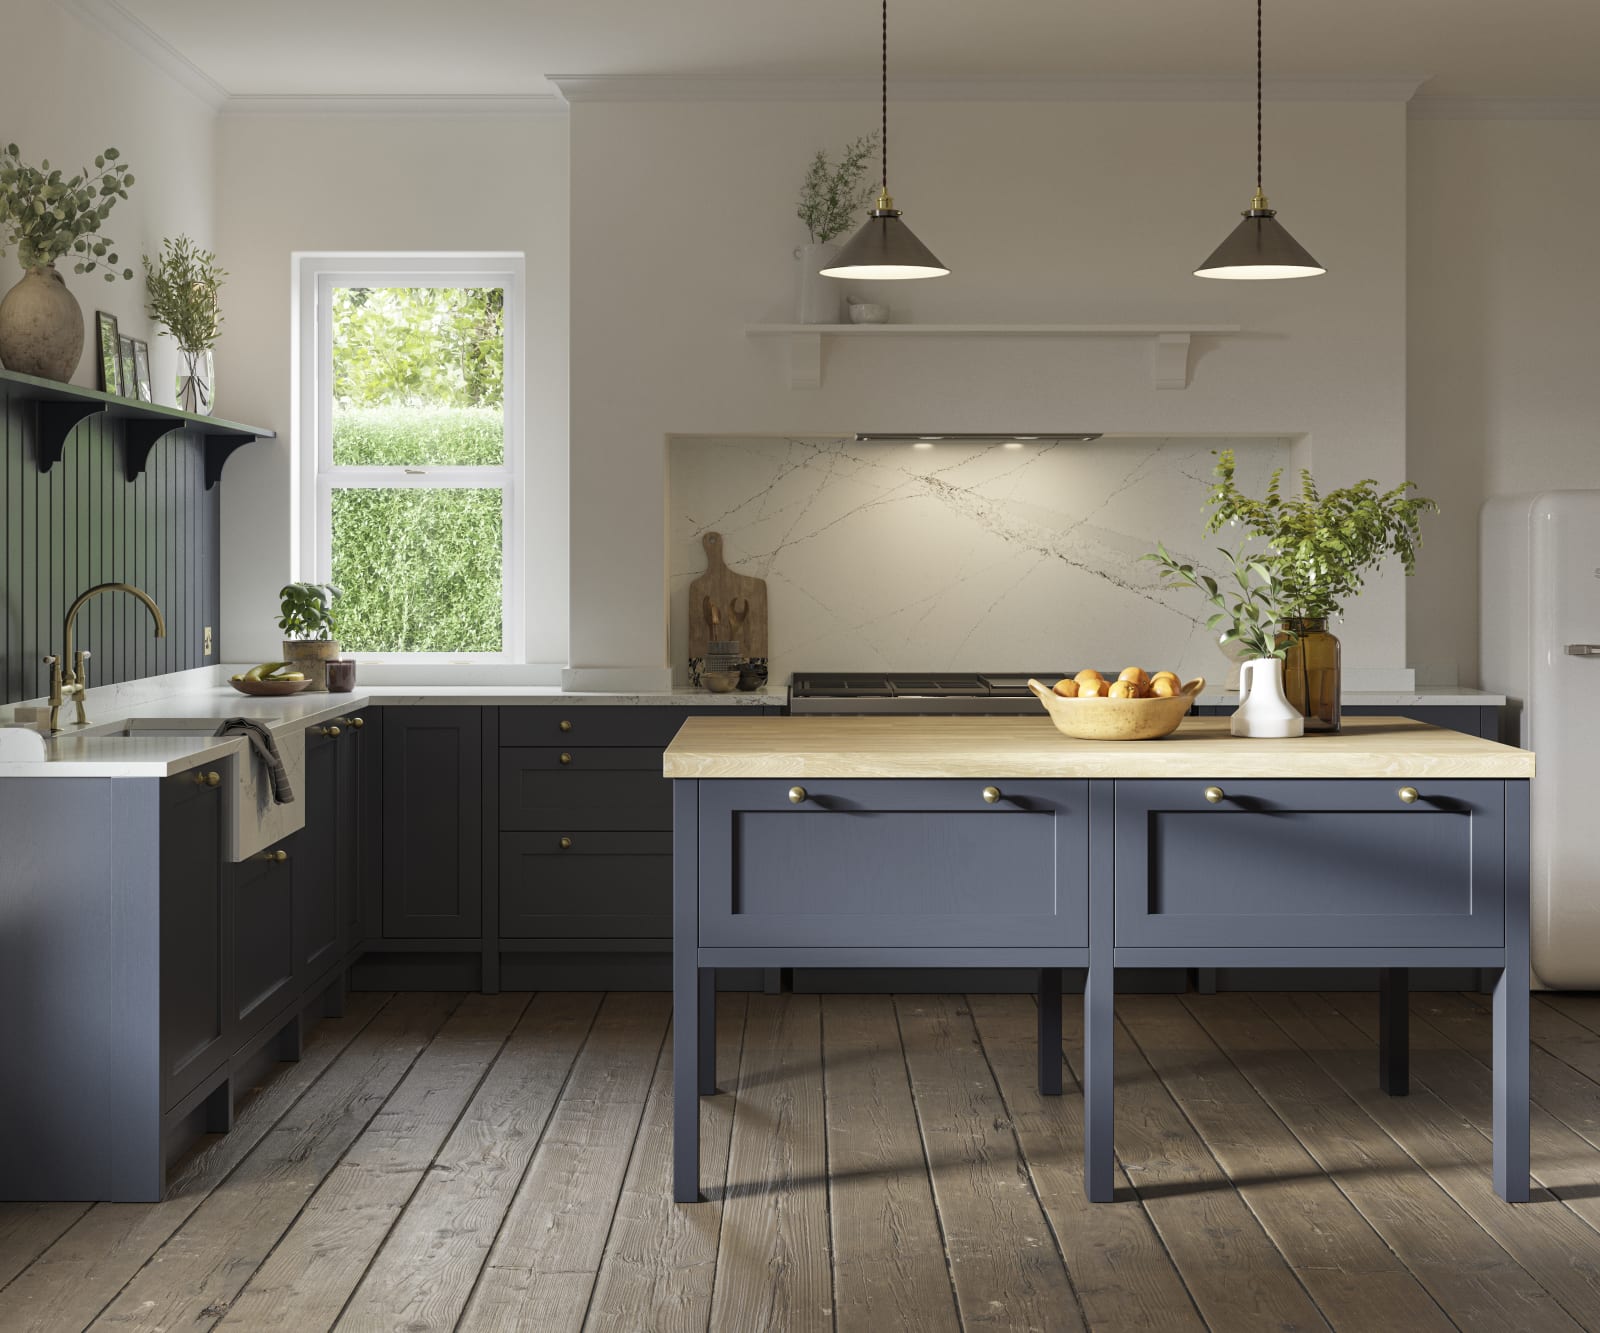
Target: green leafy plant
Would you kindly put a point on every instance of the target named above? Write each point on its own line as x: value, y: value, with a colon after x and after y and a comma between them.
x: 1324, y: 544
x: 47, y: 214
x: 1249, y: 605
x: 832, y: 195
x: 182, y: 293
x: 306, y: 610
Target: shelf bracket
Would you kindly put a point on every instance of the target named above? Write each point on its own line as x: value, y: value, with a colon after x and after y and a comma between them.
x: 139, y: 438
x: 1172, y: 361
x: 53, y: 422
x: 805, y: 360
x: 219, y: 448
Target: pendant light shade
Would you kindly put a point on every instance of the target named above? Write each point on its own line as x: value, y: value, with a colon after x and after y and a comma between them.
x: 1260, y: 247
x: 885, y: 249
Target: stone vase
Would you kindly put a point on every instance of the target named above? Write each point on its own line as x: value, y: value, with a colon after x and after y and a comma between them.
x: 1263, y: 710
x: 817, y: 300
x: 41, y: 326
x: 312, y: 656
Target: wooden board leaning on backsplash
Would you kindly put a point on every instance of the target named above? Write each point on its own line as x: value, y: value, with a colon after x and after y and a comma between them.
x: 724, y: 587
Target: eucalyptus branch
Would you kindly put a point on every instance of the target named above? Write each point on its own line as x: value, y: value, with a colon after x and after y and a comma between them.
x: 831, y: 196
x: 1250, y: 611
x: 47, y: 215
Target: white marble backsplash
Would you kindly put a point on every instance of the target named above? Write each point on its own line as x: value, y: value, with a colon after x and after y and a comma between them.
x: 956, y: 556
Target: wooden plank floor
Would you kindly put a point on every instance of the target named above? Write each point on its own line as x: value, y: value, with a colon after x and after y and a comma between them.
x: 874, y: 1162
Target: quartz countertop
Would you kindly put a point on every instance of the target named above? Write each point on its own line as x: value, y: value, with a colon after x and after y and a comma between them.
x: 995, y: 748
x: 172, y: 734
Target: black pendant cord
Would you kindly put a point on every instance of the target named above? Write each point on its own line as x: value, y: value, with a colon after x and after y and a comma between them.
x: 1258, y: 95
x: 884, y: 94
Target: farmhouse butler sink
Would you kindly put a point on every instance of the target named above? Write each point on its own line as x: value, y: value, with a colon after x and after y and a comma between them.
x: 252, y: 820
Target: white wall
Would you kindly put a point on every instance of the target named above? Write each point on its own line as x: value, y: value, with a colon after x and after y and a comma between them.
x: 1069, y: 212
x: 381, y: 183
x: 69, y: 91
x: 1504, y: 398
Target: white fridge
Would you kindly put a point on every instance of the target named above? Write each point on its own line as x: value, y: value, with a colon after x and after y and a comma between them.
x: 1539, y: 634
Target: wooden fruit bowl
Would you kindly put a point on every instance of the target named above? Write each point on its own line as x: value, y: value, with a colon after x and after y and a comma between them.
x: 1117, y: 719
x: 270, y: 689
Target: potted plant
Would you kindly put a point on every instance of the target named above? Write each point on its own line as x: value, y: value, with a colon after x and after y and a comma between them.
x: 1325, y: 545
x: 831, y: 199
x: 48, y: 216
x: 308, y: 623
x: 1249, y: 611
x: 182, y: 290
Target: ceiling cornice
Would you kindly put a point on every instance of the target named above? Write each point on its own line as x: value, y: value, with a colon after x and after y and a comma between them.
x: 112, y: 18
x: 1003, y: 88
x: 422, y: 104
x: 1505, y: 108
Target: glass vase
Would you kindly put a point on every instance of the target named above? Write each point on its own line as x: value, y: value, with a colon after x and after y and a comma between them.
x: 1311, y: 673
x: 196, y: 381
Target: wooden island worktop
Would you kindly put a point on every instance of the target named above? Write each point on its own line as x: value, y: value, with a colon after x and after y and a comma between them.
x: 1028, y: 747
x: 894, y: 842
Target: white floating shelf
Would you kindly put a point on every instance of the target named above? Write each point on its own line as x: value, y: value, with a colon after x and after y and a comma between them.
x: 1169, y: 342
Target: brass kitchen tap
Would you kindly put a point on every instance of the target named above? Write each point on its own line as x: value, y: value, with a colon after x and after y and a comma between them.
x: 71, y: 683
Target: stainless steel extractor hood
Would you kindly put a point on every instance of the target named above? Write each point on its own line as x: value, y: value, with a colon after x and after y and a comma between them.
x: 979, y: 437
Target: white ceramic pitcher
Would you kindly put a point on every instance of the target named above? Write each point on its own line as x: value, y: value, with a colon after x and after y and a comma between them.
x: 1263, y: 708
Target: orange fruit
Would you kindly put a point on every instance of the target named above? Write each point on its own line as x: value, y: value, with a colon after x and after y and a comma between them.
x: 1067, y: 688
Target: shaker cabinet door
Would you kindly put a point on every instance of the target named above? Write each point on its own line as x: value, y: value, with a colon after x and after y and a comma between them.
x: 194, y: 931
x: 432, y: 823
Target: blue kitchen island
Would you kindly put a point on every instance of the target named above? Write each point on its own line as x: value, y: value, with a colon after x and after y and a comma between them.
x: 997, y: 842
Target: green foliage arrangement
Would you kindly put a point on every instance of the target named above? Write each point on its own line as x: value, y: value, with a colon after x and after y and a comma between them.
x: 1249, y: 611
x: 182, y: 291
x: 306, y: 610
x: 833, y: 195
x: 47, y: 215
x: 418, y: 436
x: 1324, y: 544
x: 418, y: 346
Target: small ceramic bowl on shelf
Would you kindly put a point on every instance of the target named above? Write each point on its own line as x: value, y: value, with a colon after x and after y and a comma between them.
x: 1101, y: 719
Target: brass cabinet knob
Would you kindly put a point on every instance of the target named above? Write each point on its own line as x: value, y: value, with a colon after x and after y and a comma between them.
x: 278, y: 856
x: 208, y: 779
x: 796, y: 795
x: 565, y: 757
x: 566, y: 844
x: 1408, y: 795
x: 991, y: 795
x: 328, y: 731
x: 358, y: 722
x: 565, y: 725
x: 1215, y: 795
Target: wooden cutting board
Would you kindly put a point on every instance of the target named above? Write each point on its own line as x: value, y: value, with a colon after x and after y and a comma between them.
x: 741, y: 602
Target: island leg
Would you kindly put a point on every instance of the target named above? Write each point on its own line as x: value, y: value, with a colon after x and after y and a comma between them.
x: 1099, y: 1147
x: 708, y: 1031
x: 687, y: 978
x: 1050, y: 1031
x: 1511, y: 1164
x: 1394, y: 1030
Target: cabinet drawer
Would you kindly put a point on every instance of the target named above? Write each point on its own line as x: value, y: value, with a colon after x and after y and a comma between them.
x: 894, y: 864
x: 604, y: 885
x: 553, y: 724
x: 1309, y: 864
x: 263, y: 935
x: 597, y: 787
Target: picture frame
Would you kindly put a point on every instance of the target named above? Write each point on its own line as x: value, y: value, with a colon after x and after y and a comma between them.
x: 110, y: 352
x: 130, y: 375
x: 141, y: 371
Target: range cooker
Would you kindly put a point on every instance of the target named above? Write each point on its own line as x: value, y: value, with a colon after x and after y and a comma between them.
x: 980, y: 692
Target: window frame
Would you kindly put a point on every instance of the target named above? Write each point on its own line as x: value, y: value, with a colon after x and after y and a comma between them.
x: 318, y: 477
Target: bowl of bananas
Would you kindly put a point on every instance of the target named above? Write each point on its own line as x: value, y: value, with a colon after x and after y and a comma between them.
x: 269, y: 680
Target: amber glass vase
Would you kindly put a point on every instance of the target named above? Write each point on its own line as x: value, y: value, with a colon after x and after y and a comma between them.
x: 1311, y: 673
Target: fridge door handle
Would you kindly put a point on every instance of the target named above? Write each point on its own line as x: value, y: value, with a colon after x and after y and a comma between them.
x: 1583, y: 650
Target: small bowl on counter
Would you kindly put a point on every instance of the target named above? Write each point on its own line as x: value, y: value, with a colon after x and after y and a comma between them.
x: 1102, y: 719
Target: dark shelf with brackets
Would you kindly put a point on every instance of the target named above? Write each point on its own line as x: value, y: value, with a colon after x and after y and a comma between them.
x: 59, y: 408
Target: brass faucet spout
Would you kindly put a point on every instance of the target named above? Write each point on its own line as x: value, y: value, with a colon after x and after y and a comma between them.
x: 69, y: 674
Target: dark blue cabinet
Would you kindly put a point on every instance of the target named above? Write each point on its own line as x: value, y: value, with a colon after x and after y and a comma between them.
x: 195, y: 1024
x: 931, y: 864
x: 1295, y: 864
x: 432, y: 831
x: 264, y: 940
x: 320, y: 906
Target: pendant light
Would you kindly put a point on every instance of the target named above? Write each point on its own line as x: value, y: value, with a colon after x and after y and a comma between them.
x: 885, y: 247
x: 1259, y: 247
